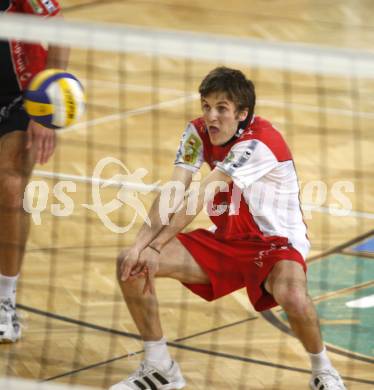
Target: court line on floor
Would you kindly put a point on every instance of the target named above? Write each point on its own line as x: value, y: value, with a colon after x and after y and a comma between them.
x: 277, y: 323
x: 88, y: 5
x: 82, y: 126
x: 170, y: 343
x: 260, y: 102
x: 134, y: 87
x: 341, y: 247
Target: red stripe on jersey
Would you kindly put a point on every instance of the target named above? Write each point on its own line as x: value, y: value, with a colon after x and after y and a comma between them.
x: 29, y: 58
x: 264, y: 131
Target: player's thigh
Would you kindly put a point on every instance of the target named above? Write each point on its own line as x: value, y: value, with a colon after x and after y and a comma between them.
x: 177, y: 262
x: 286, y: 275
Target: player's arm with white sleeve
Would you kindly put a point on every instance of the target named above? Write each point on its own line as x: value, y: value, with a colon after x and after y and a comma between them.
x: 247, y: 162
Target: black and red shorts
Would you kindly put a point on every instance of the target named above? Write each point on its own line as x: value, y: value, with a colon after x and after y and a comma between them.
x: 13, y: 116
x: 232, y: 264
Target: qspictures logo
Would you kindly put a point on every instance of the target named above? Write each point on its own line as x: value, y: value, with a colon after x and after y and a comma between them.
x: 130, y: 186
x: 261, y: 198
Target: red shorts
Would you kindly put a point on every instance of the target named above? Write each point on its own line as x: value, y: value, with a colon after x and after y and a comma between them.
x: 236, y: 263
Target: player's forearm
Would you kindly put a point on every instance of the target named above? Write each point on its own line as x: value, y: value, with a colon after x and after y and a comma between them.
x: 163, y: 209
x: 178, y: 222
x: 215, y: 182
x: 149, y: 231
x: 58, y: 57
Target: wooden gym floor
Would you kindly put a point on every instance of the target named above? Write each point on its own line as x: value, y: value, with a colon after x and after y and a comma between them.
x: 77, y: 330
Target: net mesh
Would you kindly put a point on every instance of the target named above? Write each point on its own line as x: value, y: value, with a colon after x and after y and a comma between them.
x: 141, y: 90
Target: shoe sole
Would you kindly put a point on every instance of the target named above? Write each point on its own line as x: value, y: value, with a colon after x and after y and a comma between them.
x: 6, y: 339
x: 177, y: 386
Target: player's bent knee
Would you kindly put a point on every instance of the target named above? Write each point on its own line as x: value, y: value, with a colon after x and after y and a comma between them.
x: 293, y: 300
x: 12, y: 188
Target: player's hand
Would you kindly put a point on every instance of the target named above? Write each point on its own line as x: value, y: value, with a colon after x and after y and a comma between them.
x: 42, y: 139
x: 150, y: 260
x: 128, y: 260
x: 136, y: 264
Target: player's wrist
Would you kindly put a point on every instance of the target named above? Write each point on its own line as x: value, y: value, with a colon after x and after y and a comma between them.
x: 154, y: 249
x: 155, y: 246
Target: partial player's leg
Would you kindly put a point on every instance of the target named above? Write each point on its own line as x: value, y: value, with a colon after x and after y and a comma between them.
x: 16, y: 165
x: 287, y: 283
x: 158, y: 367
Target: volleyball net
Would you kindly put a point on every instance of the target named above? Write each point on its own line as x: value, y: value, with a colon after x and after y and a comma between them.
x: 141, y: 89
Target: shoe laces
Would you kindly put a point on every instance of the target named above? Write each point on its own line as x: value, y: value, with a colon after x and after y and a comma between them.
x: 8, y: 310
x: 141, y: 370
x: 6, y: 304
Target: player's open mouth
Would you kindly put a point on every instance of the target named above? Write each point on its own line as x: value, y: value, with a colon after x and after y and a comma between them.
x: 213, y: 129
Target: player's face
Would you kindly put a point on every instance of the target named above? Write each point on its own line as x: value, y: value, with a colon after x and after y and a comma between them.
x: 221, y: 117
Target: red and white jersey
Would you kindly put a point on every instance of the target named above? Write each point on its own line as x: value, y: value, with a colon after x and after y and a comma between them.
x: 20, y: 61
x: 263, y: 174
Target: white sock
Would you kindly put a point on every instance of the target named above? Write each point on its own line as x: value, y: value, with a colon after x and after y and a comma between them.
x: 8, y: 287
x: 320, y: 361
x: 157, y: 354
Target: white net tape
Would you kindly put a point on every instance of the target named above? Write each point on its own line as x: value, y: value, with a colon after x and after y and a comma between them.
x: 295, y: 57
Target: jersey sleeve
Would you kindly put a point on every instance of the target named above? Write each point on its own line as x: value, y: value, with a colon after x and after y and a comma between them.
x: 247, y: 162
x: 40, y: 7
x: 190, y: 154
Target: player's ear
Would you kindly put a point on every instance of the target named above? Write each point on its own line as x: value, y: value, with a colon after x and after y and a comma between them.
x: 242, y: 115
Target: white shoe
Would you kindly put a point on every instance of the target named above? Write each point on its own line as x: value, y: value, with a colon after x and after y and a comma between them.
x: 327, y: 380
x: 10, y: 328
x: 147, y: 377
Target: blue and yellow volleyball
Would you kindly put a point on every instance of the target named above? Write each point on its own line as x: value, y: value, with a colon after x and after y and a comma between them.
x: 55, y: 99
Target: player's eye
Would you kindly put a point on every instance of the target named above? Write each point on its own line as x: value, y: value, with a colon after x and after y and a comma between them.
x: 205, y: 107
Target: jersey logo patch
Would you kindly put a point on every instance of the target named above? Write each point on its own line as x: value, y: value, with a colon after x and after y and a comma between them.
x: 232, y: 162
x: 50, y: 6
x: 191, y: 149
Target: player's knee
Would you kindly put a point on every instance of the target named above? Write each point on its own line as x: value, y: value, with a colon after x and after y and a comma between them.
x: 12, y: 188
x: 293, y: 300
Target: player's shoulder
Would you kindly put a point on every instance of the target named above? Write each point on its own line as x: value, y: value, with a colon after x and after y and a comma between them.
x: 262, y: 130
x: 38, y: 7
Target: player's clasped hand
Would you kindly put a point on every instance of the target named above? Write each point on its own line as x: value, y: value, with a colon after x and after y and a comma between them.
x: 42, y: 139
x: 135, y: 264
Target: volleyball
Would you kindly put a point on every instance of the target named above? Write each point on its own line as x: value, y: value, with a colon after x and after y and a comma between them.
x: 55, y: 99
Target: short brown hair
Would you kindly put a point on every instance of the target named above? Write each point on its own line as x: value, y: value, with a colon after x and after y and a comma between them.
x: 234, y: 84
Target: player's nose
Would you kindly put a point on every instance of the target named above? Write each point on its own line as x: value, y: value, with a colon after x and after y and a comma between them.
x: 212, y: 116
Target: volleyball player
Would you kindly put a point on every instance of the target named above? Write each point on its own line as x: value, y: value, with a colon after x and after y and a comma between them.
x: 23, y: 143
x: 259, y: 243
